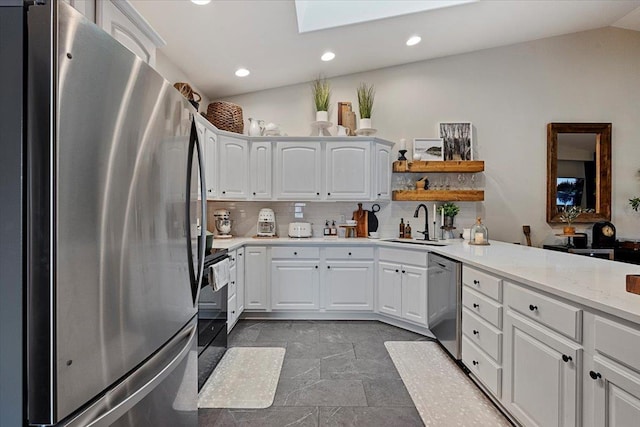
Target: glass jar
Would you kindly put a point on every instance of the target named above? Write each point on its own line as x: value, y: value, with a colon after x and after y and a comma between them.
x: 479, y: 233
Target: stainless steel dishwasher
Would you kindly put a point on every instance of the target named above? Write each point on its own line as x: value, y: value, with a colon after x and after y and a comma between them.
x: 444, y: 301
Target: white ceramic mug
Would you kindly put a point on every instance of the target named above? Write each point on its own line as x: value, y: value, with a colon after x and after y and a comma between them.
x: 466, y: 233
x: 342, y: 131
x: 374, y: 234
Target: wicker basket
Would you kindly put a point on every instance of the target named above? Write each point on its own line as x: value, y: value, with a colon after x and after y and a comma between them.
x: 226, y: 116
x: 187, y: 91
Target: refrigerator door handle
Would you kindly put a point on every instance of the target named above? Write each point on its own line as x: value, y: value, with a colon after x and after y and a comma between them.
x: 121, y: 399
x: 195, y: 275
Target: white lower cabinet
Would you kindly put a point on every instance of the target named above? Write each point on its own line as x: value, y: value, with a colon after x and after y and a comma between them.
x: 256, y: 285
x: 402, y: 291
x: 240, y: 273
x: 295, y: 285
x: 232, y: 290
x: 616, y: 397
x: 541, y: 374
x: 348, y: 285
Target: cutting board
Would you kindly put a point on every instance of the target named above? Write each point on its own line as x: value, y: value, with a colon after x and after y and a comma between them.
x: 361, y: 216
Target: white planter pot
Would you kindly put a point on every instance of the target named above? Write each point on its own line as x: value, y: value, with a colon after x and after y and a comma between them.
x: 322, y: 116
x: 365, y: 124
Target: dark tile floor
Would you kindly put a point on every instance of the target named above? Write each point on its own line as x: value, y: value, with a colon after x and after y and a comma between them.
x: 335, y: 373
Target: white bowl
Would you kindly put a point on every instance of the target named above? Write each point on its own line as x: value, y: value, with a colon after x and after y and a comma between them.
x: 374, y: 234
x: 352, y: 222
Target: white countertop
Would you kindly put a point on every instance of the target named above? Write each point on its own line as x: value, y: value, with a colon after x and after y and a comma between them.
x: 592, y: 282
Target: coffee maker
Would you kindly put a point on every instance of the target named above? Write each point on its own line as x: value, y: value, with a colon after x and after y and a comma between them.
x: 266, y: 223
x: 223, y: 223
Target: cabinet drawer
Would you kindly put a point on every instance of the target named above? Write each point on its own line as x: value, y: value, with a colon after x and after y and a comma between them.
x: 560, y: 317
x: 484, y: 283
x: 484, y: 307
x: 619, y: 342
x: 344, y: 253
x: 401, y: 256
x: 296, y: 252
x: 482, y: 367
x: 482, y: 334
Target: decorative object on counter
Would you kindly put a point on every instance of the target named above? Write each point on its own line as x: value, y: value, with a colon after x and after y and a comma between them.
x: 334, y: 229
x: 372, y: 219
x: 457, y: 140
x: 326, y: 231
x: 342, y: 131
x: 187, y: 91
x: 479, y: 234
x: 343, y: 109
x: 448, y: 211
x: 266, y: 223
x: 349, y: 231
x: 402, y: 150
x: 346, y: 118
x: 256, y: 127
x: 422, y: 184
x: 320, y: 128
x: 466, y: 234
x: 569, y: 215
x: 401, y: 231
x: 366, y: 95
x: 321, y: 90
x: 226, y: 116
x: 272, y: 129
x: 604, y: 235
x: 223, y: 224
x: 301, y: 230
x: 526, y: 229
x: 374, y: 235
x: 428, y: 149
x: 407, y: 231
x: 633, y: 283
x: 361, y: 216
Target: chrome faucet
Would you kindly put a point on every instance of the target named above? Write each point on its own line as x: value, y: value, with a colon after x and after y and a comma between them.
x: 426, y: 220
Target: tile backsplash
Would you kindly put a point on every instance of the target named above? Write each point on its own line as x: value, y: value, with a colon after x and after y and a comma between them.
x: 245, y: 215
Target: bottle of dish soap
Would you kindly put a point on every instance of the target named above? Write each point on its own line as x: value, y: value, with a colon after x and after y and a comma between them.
x: 327, y: 229
x: 402, y: 228
x: 334, y: 230
x: 407, y: 231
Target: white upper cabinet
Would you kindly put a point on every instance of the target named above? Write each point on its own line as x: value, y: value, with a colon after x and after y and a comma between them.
x: 123, y: 22
x: 234, y: 163
x: 86, y: 7
x: 298, y: 170
x: 382, y: 172
x: 260, y: 170
x: 348, y: 166
x: 210, y: 145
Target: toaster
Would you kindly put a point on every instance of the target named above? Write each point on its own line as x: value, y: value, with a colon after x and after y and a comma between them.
x: 300, y: 229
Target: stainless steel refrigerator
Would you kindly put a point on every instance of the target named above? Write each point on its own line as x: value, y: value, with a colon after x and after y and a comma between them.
x: 110, y: 248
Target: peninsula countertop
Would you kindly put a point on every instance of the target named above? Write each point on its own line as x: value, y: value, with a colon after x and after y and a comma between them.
x: 591, y: 282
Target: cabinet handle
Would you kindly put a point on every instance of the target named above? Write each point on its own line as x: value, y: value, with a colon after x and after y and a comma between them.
x: 295, y: 253
x: 533, y: 307
x: 476, y: 282
x: 316, y: 266
x: 239, y: 254
x: 224, y: 192
x: 328, y: 194
x: 317, y: 194
x: 403, y: 271
x: 233, y: 283
x: 566, y: 358
x: 475, y: 362
x: 397, y: 271
x: 209, y: 190
x: 328, y: 266
x: 594, y: 375
x: 349, y: 253
x: 233, y: 312
x: 254, y: 193
x: 379, y: 194
x: 475, y: 332
x: 476, y: 305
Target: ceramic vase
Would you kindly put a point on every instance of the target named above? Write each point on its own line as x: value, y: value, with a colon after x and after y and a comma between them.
x: 322, y: 116
x: 365, y: 123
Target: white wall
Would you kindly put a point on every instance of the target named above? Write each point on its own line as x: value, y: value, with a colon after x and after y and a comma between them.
x: 510, y: 94
x: 174, y: 73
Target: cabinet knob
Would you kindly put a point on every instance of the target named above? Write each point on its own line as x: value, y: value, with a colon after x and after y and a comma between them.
x: 403, y: 271
x: 328, y: 266
x: 233, y: 283
x: 224, y: 192
x: 317, y: 194
x: 476, y: 282
x: 209, y: 190
x: 328, y: 194
x: 475, y: 332
x: 295, y: 253
x: 475, y: 362
x: 316, y: 266
x: 566, y: 358
x: 476, y: 305
x: 239, y: 254
x: 233, y: 312
x: 397, y: 271
x: 349, y: 253
x: 533, y: 307
x: 254, y: 193
x: 379, y: 194
x: 594, y: 375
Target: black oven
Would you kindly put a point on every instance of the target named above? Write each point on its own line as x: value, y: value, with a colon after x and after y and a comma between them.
x: 212, y: 321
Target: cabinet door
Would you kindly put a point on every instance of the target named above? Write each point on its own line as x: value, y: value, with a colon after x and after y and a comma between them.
x: 111, y: 17
x: 86, y: 7
x: 540, y: 387
x: 414, y: 294
x: 617, y: 394
x: 231, y: 312
x: 255, y: 278
x: 234, y: 163
x: 240, y: 280
x: 261, y: 170
x: 211, y: 162
x: 382, y: 173
x: 349, y: 285
x: 389, y: 289
x: 295, y: 285
x: 233, y: 280
x: 298, y: 170
x: 348, y: 170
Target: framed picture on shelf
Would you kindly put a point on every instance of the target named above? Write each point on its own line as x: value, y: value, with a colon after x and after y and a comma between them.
x: 457, y: 140
x: 430, y: 149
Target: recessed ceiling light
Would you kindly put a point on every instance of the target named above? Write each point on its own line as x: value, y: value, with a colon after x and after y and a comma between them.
x: 414, y: 40
x: 242, y: 72
x: 328, y: 56
x: 201, y: 2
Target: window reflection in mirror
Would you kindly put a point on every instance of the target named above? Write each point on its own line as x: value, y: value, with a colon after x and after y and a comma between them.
x: 576, y: 180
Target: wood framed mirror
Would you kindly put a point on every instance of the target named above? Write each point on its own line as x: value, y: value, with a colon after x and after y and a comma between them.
x: 579, y: 170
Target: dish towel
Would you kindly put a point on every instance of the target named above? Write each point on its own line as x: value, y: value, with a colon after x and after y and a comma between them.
x: 220, y: 275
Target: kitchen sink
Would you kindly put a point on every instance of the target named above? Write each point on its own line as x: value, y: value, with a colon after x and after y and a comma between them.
x: 418, y: 242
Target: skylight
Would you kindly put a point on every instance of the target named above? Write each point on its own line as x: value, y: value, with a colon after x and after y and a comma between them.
x: 314, y: 15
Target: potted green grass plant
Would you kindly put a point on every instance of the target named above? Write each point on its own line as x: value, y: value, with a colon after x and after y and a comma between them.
x: 366, y: 95
x: 321, y: 90
x: 450, y: 210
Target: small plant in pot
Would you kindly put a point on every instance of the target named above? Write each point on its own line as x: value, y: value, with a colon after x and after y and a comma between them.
x: 321, y: 90
x: 366, y: 95
x: 568, y: 215
x: 450, y: 210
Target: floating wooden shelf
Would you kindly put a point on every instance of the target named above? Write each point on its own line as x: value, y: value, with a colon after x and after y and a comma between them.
x: 439, y: 195
x: 467, y: 166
